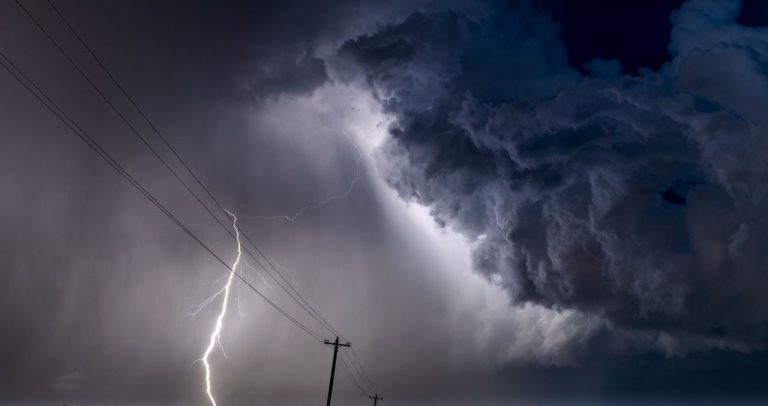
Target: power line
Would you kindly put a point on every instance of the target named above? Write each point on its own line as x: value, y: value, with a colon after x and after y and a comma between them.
x: 364, y: 374
x: 358, y: 377
x: 355, y: 369
x: 346, y: 370
x: 291, y: 290
x: 52, y: 106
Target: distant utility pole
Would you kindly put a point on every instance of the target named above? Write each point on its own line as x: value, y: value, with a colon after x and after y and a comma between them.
x: 336, y: 346
x: 375, y: 398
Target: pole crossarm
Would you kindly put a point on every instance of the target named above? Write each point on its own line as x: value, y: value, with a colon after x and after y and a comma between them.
x: 336, y: 344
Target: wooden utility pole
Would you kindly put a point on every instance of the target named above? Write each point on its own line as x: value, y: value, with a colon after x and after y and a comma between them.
x: 336, y: 346
x: 375, y: 398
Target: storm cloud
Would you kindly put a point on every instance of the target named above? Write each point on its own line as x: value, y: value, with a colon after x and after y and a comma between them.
x: 638, y: 199
x: 609, y: 202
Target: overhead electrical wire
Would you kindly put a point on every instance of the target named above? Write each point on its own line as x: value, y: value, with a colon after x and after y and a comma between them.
x: 357, y: 366
x: 290, y: 289
x: 293, y: 293
x: 356, y: 372
x: 352, y: 378
x: 43, y: 98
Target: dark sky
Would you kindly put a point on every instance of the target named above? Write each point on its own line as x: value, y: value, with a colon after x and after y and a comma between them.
x: 496, y: 202
x: 635, y: 33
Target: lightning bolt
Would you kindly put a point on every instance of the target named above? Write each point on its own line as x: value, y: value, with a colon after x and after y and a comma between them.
x: 291, y: 218
x: 216, y: 333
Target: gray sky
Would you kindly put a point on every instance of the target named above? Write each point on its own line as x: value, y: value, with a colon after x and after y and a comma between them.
x: 487, y: 218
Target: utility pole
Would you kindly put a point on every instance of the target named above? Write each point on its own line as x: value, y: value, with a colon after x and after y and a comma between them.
x: 336, y: 346
x: 375, y: 398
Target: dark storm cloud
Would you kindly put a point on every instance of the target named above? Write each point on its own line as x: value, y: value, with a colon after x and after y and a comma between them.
x: 298, y: 75
x: 632, y: 203
x: 639, y: 199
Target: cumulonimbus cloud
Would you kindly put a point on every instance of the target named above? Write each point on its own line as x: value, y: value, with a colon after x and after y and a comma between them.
x: 638, y: 199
